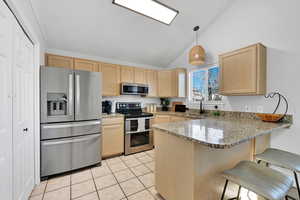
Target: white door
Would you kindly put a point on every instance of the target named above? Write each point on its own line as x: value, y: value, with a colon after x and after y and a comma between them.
x: 23, y: 115
x: 6, y: 28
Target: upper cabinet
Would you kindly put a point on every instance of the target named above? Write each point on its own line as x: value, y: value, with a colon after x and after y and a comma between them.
x: 243, y: 71
x: 165, y: 80
x: 127, y: 74
x: 110, y: 79
x: 151, y: 77
x: 140, y: 75
x: 59, y: 61
x: 86, y: 65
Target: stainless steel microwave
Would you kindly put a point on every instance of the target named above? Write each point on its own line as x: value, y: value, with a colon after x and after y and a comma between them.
x: 134, y: 89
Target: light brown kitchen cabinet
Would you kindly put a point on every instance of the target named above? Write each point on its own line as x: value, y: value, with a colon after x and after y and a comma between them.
x: 140, y: 75
x: 127, y: 74
x: 151, y: 76
x: 86, y: 65
x: 165, y: 81
x: 59, y: 61
x: 110, y: 79
x: 112, y: 137
x: 243, y: 71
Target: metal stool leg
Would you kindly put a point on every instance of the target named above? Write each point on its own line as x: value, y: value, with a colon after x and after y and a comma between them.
x: 224, y: 190
x: 239, y: 192
x: 297, y: 183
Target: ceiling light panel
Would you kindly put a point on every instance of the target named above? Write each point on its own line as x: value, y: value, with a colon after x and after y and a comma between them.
x: 150, y: 8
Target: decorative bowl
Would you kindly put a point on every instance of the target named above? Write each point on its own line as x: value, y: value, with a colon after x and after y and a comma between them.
x: 269, y: 117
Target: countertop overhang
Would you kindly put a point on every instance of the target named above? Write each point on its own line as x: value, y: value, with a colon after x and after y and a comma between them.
x: 220, y: 133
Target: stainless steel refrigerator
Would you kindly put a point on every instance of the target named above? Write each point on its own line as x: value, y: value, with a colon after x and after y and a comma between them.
x: 70, y: 119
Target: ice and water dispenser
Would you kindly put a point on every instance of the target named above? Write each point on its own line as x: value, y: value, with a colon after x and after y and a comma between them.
x: 57, y: 104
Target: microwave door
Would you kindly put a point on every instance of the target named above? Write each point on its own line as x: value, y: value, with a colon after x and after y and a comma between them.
x: 57, y: 94
x: 87, y: 95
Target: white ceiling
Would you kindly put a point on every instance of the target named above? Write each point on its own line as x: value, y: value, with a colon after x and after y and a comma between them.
x: 99, y: 28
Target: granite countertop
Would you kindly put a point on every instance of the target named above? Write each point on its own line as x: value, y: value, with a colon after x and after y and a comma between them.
x: 112, y: 115
x: 220, y: 133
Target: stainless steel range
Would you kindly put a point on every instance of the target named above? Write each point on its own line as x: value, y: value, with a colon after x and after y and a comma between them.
x: 70, y: 119
x: 138, y: 132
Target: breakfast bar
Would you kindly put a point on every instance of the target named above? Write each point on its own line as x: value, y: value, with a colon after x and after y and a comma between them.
x: 190, y: 155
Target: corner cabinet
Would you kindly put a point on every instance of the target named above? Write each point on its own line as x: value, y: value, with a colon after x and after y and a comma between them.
x: 59, y: 61
x: 243, y: 71
x: 110, y: 79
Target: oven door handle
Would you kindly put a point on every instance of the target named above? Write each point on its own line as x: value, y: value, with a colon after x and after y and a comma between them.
x: 138, y: 131
x: 130, y: 119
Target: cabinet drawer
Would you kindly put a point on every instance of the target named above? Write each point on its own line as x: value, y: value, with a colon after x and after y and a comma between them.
x: 113, y: 120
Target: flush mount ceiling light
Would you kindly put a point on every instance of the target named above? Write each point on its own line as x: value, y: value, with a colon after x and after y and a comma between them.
x: 150, y: 8
x: 197, y: 53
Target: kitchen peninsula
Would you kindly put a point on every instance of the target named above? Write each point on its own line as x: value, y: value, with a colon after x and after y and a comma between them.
x: 190, y: 155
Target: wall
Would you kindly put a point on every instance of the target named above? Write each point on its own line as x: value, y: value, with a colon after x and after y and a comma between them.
x: 274, y: 23
x: 25, y: 14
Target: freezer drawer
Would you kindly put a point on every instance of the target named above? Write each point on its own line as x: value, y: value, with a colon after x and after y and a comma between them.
x: 86, y: 151
x: 62, y: 155
x: 56, y: 156
x: 61, y: 130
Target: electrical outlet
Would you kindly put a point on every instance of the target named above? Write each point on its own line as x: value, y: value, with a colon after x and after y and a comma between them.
x: 260, y: 109
x: 247, y: 108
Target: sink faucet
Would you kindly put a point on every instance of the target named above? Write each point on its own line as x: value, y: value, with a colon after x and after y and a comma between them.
x: 201, y: 107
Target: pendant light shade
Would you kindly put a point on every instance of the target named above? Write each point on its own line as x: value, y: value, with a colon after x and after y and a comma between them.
x: 197, y: 53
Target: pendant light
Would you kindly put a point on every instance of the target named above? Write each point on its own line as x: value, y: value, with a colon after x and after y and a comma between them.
x: 197, y: 53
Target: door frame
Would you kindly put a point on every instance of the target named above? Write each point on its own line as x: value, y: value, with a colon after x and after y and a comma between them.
x: 29, y: 31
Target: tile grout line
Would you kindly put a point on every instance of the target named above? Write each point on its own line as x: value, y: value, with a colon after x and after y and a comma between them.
x: 139, y: 179
x: 117, y: 179
x: 95, y: 183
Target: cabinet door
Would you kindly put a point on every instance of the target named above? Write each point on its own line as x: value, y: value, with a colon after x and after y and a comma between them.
x: 140, y: 76
x: 243, y: 72
x: 113, y: 140
x: 165, y: 83
x: 86, y: 65
x: 127, y: 74
x: 110, y: 79
x: 59, y: 61
x: 152, y: 82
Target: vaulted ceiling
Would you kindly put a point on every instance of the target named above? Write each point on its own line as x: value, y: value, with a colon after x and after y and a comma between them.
x: 99, y: 28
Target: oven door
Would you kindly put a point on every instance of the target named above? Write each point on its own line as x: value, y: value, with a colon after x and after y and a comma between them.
x: 137, y: 142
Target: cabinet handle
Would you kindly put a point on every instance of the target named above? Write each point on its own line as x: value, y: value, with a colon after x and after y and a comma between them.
x: 25, y: 129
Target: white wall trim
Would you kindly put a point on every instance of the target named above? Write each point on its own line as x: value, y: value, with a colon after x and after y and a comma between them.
x: 25, y: 23
x: 99, y: 58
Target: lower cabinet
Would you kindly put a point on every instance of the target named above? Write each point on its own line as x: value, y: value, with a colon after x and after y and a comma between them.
x: 112, y: 137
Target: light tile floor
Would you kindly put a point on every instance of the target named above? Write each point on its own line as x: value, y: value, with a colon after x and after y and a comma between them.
x: 120, y: 178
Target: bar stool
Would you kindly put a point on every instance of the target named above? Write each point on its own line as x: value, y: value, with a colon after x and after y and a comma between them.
x: 282, y: 159
x: 264, y: 181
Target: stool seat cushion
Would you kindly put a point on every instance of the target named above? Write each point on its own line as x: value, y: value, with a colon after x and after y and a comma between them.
x: 281, y: 158
x: 262, y: 180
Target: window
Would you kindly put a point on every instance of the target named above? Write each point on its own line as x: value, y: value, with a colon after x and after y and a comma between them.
x: 204, y: 85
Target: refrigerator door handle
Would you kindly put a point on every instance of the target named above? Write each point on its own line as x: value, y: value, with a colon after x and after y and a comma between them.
x: 77, y: 86
x: 70, y: 101
x: 70, y: 125
x: 86, y: 138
